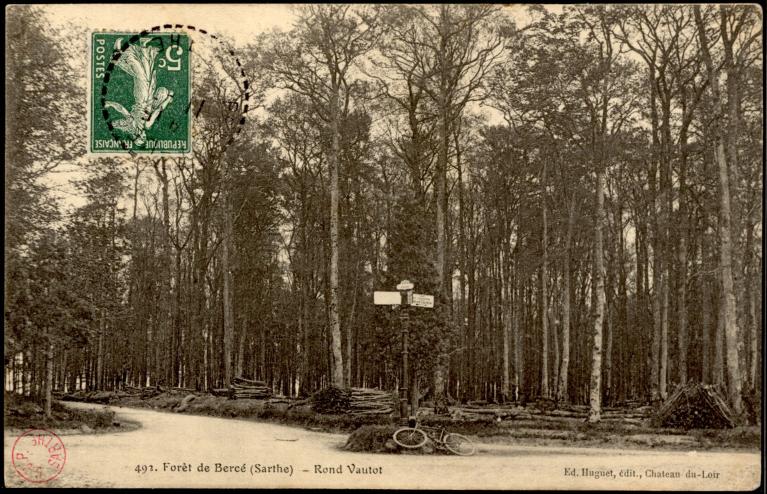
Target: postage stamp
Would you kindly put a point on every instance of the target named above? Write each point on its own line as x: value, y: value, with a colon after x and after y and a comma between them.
x: 38, y: 455
x: 140, y: 89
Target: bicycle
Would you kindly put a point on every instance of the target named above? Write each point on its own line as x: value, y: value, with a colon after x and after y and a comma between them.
x: 415, y: 437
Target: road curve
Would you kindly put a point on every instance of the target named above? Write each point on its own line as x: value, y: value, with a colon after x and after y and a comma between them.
x: 175, y: 449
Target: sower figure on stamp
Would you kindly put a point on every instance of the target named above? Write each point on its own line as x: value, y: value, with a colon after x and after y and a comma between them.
x: 148, y: 101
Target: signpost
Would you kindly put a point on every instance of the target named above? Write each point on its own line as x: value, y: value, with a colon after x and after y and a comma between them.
x: 387, y: 298
x: 423, y: 300
x: 404, y: 297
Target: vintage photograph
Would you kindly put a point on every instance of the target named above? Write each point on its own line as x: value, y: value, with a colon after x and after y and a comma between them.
x: 454, y: 246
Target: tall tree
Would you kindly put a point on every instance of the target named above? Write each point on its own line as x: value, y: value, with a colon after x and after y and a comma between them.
x: 458, y: 48
x: 327, y: 41
x: 725, y: 249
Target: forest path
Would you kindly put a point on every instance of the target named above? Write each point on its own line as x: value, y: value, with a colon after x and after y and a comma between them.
x: 288, y: 457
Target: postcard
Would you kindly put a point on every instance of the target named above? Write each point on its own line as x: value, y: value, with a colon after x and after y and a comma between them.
x: 482, y: 246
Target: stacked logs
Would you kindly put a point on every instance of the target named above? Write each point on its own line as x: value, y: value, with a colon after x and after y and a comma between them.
x: 365, y: 401
x: 354, y: 401
x: 635, y: 416
x: 242, y: 388
x: 476, y: 412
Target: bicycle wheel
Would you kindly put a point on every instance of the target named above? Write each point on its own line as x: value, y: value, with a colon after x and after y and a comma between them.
x: 409, y: 437
x: 459, y: 444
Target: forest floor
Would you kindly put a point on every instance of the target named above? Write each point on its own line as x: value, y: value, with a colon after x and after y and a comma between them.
x: 528, y: 426
x: 23, y: 413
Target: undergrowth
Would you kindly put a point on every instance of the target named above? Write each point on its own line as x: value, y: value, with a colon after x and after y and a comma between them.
x: 25, y: 413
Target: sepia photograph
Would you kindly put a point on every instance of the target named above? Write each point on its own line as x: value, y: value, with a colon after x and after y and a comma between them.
x: 384, y: 246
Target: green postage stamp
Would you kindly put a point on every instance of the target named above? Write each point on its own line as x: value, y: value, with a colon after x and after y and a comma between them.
x: 140, y: 93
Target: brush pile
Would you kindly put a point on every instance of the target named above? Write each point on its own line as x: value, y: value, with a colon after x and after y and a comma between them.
x: 695, y: 406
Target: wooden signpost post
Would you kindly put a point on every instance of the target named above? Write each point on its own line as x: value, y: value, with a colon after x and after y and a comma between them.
x: 405, y: 297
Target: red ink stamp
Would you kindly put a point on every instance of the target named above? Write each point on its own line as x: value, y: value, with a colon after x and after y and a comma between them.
x: 38, y: 455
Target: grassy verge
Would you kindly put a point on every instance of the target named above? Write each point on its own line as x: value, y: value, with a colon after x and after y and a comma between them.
x: 552, y: 432
x: 24, y: 413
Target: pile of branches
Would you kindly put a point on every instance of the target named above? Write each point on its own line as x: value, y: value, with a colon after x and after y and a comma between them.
x: 354, y: 401
x: 242, y: 388
x: 331, y: 400
x: 695, y: 406
x: 147, y: 392
x: 365, y: 401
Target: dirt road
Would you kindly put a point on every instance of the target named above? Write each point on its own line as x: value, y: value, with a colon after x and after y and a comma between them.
x: 174, y: 450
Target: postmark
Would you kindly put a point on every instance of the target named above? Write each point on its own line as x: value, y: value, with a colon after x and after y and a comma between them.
x: 38, y: 455
x: 152, y: 71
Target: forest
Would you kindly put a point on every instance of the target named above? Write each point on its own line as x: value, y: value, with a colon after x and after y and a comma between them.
x: 579, y: 187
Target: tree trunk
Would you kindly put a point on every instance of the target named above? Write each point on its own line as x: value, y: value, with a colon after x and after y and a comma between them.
x: 562, y: 394
x: 664, y: 340
x: 48, y: 380
x: 337, y: 370
x: 725, y: 263
x: 349, y: 326
x: 608, y: 365
x: 238, y: 368
x: 168, y: 288
x: 544, y: 296
x: 705, y: 307
x: 506, y: 328
x: 682, y: 276
x: 556, y: 349
x: 178, y: 338
x: 100, y: 354
x: 595, y: 391
x: 227, y: 292
x: 667, y: 197
x: 461, y: 313
x: 719, y: 343
x: 519, y: 372
x: 753, y: 321
x: 725, y: 251
x: 731, y: 133
x: 626, y: 346
x: 443, y: 277
x: 657, y: 245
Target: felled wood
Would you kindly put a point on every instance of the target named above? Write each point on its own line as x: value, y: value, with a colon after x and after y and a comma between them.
x: 477, y: 413
x: 221, y: 392
x: 368, y: 401
x: 241, y: 388
x: 354, y: 401
x: 132, y: 390
x: 177, y: 389
x: 695, y: 406
x: 299, y: 403
x: 563, y: 413
x: 275, y: 400
x: 247, y: 382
